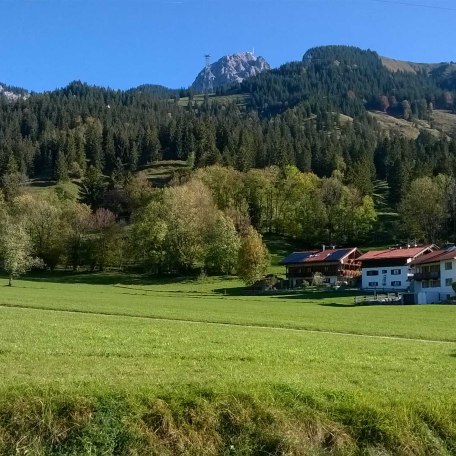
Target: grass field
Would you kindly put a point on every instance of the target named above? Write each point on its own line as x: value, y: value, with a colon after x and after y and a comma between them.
x: 83, y: 354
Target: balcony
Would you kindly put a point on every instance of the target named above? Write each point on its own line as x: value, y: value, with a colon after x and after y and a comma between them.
x: 433, y: 275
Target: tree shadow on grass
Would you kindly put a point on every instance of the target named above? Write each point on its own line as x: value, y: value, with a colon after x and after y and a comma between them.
x: 42, y: 183
x: 361, y: 304
x: 103, y: 278
x: 236, y: 291
x: 314, y: 295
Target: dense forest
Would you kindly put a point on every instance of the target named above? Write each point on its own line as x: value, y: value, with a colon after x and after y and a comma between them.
x: 294, y: 165
x: 351, y: 80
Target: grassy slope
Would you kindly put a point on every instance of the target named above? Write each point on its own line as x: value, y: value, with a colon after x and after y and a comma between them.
x: 64, y: 349
x: 240, y: 99
x: 90, y: 373
x: 443, y: 121
x: 44, y: 187
x: 189, y: 300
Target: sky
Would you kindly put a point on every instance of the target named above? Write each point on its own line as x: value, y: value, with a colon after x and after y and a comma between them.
x: 45, y: 44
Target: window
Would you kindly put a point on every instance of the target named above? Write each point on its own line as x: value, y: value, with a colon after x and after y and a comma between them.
x: 424, y: 284
x: 396, y: 283
x: 448, y: 266
x: 373, y: 284
x: 395, y: 272
x: 372, y: 273
x: 448, y: 282
x: 434, y: 283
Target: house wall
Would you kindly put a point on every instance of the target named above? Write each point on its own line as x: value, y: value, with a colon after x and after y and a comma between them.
x: 297, y: 281
x: 441, y: 292
x: 385, y: 278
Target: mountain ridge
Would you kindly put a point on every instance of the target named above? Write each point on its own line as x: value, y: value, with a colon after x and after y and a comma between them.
x: 235, y: 68
x: 12, y: 93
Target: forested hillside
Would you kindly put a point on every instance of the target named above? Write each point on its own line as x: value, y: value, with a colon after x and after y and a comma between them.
x: 352, y: 80
x: 295, y: 115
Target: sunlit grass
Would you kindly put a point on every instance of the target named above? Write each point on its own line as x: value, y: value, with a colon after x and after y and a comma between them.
x: 96, y: 362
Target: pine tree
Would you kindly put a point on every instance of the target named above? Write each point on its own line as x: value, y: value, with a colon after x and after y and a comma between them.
x: 61, y: 168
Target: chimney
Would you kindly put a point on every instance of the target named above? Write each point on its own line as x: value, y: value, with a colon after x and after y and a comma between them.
x: 323, y: 247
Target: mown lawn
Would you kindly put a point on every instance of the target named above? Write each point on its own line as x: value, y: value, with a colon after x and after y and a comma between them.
x: 294, y: 360
x: 222, y: 300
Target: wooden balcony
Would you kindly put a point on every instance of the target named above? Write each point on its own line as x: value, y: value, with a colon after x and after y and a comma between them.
x: 433, y: 275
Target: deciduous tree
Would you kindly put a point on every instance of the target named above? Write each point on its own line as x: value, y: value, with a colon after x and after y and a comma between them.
x: 16, y: 249
x: 253, y: 258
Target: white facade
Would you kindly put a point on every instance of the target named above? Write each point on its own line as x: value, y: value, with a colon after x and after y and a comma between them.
x: 388, y: 278
x: 439, y: 289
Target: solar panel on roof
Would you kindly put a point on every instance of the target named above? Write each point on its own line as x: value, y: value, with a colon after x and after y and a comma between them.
x: 296, y: 257
x: 337, y: 254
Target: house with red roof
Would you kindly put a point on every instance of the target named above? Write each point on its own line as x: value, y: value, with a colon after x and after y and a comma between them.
x: 434, y: 274
x: 390, y: 270
x: 335, y: 265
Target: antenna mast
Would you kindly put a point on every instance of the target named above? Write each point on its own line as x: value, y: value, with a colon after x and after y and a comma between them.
x: 208, y: 80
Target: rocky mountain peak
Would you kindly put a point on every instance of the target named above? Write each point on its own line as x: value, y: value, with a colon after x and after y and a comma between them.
x: 231, y: 68
x: 11, y: 94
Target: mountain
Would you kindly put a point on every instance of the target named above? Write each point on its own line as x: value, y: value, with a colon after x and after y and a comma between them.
x: 155, y: 90
x: 444, y: 73
x: 12, y: 93
x: 231, y: 69
x: 339, y: 109
x: 350, y: 80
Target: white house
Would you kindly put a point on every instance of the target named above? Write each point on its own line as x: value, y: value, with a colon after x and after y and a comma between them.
x: 434, y: 275
x: 390, y: 270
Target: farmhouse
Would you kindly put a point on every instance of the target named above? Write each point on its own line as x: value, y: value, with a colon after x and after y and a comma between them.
x: 434, y: 275
x: 336, y: 265
x: 390, y: 269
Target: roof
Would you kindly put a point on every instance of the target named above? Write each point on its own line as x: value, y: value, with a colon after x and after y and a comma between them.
x: 398, y: 253
x: 317, y: 256
x: 436, y: 256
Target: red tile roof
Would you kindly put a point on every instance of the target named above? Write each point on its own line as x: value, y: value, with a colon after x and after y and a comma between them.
x: 434, y: 257
x: 409, y: 252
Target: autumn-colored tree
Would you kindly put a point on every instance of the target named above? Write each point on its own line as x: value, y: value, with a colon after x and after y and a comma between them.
x: 383, y: 102
x: 253, y: 258
x: 138, y: 190
x: 190, y: 212
x: 223, y: 246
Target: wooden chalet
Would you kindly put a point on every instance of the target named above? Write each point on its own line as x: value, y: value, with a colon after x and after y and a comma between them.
x: 336, y: 266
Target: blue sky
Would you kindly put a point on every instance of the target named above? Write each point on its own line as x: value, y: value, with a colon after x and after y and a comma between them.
x: 45, y: 44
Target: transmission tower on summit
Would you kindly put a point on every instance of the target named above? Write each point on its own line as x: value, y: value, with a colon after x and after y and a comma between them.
x: 208, y: 79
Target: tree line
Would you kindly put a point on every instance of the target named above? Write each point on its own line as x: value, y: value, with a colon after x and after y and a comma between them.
x: 208, y: 220
x: 61, y: 135
x: 177, y: 230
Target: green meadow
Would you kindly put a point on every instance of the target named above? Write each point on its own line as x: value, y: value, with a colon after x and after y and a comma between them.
x: 183, y: 366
